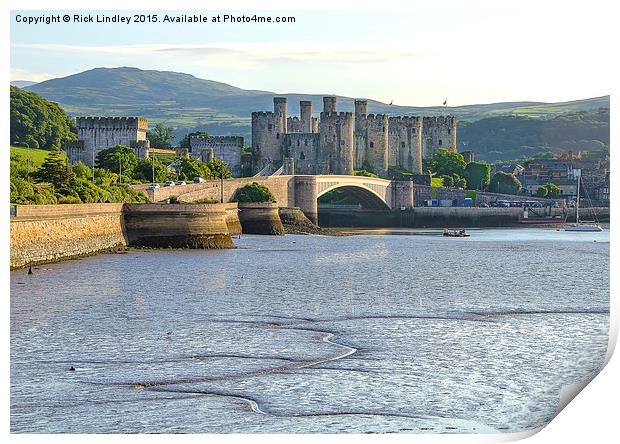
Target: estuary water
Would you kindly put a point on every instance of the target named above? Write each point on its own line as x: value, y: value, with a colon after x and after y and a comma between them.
x: 312, y: 334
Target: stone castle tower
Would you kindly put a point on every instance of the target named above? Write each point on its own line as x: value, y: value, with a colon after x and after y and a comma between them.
x: 98, y: 133
x: 339, y: 142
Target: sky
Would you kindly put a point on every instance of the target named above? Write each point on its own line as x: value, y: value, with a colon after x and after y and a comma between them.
x: 468, y: 52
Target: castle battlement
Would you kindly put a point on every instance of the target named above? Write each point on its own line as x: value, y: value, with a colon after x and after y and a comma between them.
x: 405, y: 119
x: 439, y: 120
x: 345, y: 114
x: 111, y: 122
x: 218, y: 139
x: 262, y: 113
x: 376, y: 116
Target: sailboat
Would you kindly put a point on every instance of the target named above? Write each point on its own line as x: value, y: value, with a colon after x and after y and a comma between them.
x: 578, y: 225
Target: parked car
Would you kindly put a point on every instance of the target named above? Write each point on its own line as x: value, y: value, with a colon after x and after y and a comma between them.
x: 180, y: 182
x: 484, y: 205
x: 199, y: 180
x: 153, y: 186
x: 169, y: 184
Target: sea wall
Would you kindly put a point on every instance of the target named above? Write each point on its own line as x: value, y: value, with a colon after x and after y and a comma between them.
x: 201, y: 226
x: 232, y: 219
x: 48, y: 233
x: 425, y: 217
x: 260, y: 218
x: 421, y: 217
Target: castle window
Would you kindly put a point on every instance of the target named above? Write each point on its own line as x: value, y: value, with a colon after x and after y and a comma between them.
x: 372, y: 144
x: 448, y: 130
x: 440, y: 143
x: 302, y: 156
x: 306, y: 142
x: 278, y: 136
x: 402, y: 144
x: 270, y: 127
x: 298, y: 143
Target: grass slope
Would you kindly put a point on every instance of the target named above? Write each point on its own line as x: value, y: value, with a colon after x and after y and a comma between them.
x: 37, y: 157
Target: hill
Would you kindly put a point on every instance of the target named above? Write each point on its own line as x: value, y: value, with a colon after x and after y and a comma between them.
x: 514, y: 137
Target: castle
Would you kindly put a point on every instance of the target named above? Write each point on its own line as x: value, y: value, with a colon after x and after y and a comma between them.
x: 334, y: 143
x: 340, y: 142
x: 98, y: 133
x: 229, y: 149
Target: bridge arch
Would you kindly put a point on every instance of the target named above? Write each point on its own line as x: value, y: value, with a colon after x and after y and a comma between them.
x: 368, y: 198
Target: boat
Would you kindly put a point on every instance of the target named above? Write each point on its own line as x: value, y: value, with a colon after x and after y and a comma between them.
x: 455, y: 233
x: 579, y: 226
x: 543, y: 220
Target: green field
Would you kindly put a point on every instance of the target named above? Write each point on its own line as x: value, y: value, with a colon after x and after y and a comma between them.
x: 36, y: 156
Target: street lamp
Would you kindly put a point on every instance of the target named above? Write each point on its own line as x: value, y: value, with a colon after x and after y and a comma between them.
x: 27, y: 158
x: 153, y: 162
x: 222, y: 185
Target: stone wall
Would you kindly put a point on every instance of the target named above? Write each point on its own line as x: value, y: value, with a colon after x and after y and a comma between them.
x: 201, y: 226
x: 48, y: 233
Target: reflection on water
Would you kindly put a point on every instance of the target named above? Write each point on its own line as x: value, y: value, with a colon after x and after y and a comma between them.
x: 414, y: 334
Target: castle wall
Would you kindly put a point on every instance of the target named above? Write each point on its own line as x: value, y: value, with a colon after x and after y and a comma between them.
x: 99, y: 133
x: 336, y: 143
x: 305, y: 115
x: 329, y: 104
x: 405, y: 142
x: 438, y: 132
x: 295, y: 125
x: 315, y: 125
x: 361, y: 111
x: 226, y: 148
x: 279, y: 109
x: 266, y: 140
x: 377, y: 142
x: 304, y: 148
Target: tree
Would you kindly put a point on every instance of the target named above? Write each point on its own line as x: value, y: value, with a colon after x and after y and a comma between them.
x: 37, y: 122
x: 505, y: 183
x: 458, y: 181
x: 477, y: 175
x: 81, y: 170
x: 553, y: 190
x: 144, y: 171
x: 219, y: 169
x: 541, y: 192
x: 190, y: 167
x: 447, y: 181
x: 548, y: 190
x: 161, y: 136
x: 57, y: 171
x: 447, y: 162
x: 120, y: 158
x: 254, y: 192
x: 184, y: 142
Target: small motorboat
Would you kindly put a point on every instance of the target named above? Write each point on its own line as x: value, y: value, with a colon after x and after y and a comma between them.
x: 455, y: 233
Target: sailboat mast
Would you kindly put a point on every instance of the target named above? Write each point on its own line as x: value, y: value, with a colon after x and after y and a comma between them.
x: 577, y: 204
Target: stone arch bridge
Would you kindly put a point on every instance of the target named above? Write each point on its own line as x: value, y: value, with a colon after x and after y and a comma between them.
x: 300, y: 191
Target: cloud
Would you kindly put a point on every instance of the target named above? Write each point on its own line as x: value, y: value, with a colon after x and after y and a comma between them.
x: 247, y: 55
x: 22, y: 74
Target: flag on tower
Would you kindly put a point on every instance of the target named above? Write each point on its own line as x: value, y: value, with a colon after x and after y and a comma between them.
x: 445, y: 102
